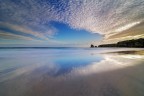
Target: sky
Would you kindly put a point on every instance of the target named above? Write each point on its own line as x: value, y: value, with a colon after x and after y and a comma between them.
x: 69, y: 23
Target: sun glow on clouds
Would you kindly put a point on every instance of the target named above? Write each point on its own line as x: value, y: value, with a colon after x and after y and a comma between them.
x: 106, y: 17
x: 127, y: 26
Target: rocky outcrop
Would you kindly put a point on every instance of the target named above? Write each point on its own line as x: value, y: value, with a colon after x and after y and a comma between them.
x: 134, y: 43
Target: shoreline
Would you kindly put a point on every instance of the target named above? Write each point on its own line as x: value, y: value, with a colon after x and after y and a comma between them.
x: 134, y: 52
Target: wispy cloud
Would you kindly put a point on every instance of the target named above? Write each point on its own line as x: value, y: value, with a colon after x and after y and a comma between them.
x: 132, y: 33
x: 4, y: 35
x: 128, y: 26
x: 35, y: 35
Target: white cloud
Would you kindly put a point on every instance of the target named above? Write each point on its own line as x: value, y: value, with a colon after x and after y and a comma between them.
x: 103, y: 16
x: 97, y: 16
x: 126, y: 27
x: 5, y: 35
x: 42, y: 35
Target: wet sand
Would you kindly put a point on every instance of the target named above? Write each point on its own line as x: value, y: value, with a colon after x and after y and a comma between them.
x: 102, y: 78
x: 139, y: 52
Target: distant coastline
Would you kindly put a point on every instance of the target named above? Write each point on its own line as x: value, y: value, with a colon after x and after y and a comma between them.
x: 134, y: 43
x: 35, y: 47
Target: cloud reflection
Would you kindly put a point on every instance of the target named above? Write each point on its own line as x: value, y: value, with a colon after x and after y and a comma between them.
x: 60, y: 72
x: 68, y: 65
x: 110, y: 62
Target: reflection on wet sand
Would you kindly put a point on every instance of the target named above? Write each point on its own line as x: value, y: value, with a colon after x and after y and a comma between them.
x: 110, y: 75
x: 134, y: 52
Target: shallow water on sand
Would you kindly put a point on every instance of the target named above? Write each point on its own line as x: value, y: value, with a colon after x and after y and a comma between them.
x: 71, y: 72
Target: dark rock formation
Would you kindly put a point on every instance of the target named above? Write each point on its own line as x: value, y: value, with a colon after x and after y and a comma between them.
x: 96, y: 46
x: 92, y: 46
x: 108, y: 45
x: 135, y: 43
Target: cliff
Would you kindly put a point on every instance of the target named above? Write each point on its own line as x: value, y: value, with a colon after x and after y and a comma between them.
x: 134, y: 43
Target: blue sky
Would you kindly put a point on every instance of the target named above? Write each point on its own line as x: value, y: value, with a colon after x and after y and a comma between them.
x: 69, y: 22
x: 67, y: 34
